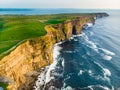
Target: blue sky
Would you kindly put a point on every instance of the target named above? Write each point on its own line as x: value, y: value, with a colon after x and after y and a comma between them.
x: 91, y: 4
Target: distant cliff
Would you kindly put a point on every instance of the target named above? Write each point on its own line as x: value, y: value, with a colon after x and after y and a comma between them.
x: 22, y: 65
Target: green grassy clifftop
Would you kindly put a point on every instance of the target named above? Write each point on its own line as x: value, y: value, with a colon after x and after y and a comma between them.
x: 22, y: 65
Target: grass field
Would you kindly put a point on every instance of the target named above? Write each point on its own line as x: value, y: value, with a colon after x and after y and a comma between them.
x: 15, y: 28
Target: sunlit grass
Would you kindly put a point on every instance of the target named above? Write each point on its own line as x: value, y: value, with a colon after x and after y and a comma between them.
x: 15, y: 28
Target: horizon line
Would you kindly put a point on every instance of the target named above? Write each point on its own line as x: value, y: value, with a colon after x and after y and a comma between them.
x: 58, y: 8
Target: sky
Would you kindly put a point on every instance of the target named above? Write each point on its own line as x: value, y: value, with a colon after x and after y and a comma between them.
x: 83, y: 4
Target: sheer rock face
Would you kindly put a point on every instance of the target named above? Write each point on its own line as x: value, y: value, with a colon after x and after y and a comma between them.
x: 23, y: 64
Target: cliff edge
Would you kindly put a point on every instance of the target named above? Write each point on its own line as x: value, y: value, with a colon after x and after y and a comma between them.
x: 21, y: 67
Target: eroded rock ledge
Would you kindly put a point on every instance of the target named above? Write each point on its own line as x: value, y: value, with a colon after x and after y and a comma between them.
x: 22, y: 66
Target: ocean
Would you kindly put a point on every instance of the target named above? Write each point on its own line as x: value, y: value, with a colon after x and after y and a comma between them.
x: 90, y: 61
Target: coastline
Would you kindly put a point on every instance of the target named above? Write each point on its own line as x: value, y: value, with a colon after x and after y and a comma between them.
x: 45, y: 76
x: 45, y: 79
x: 56, y: 36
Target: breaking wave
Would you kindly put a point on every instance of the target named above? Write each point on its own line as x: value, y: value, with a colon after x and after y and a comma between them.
x: 52, y: 72
x: 104, y: 53
x: 54, y: 77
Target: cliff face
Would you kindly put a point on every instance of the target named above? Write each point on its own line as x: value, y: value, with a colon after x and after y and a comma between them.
x: 22, y: 65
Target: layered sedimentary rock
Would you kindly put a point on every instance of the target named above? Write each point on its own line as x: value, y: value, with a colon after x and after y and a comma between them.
x: 22, y: 65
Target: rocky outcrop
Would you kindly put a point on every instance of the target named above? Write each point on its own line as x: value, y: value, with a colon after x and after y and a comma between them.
x: 23, y: 64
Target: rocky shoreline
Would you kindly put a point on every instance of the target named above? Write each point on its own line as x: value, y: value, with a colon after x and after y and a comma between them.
x: 22, y: 66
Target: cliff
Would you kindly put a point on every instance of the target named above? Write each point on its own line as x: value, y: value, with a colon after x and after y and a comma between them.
x: 22, y: 65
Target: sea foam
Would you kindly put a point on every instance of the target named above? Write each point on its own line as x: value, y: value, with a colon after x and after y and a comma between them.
x: 91, y: 87
x: 54, y: 68
x: 41, y: 79
x: 107, y: 72
x: 80, y: 72
x: 107, y: 57
x: 107, y: 51
x: 51, y: 71
x: 89, y: 24
x: 106, y: 54
x: 99, y: 86
x: 56, y: 50
x: 90, y: 72
x: 63, y: 63
x: 90, y: 43
x: 68, y: 88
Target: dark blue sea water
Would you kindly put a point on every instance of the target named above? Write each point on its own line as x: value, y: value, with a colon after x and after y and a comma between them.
x: 90, y: 61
